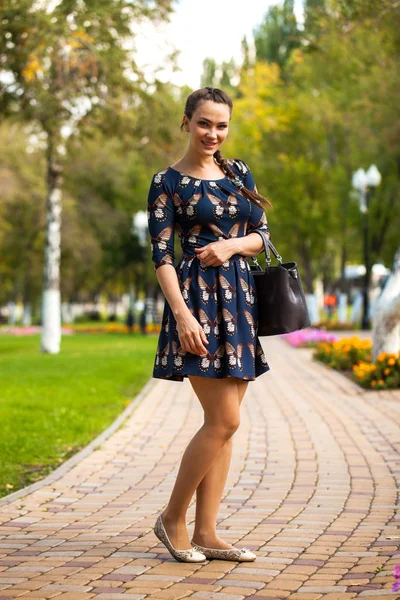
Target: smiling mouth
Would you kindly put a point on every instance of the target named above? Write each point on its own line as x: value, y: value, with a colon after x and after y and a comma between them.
x: 209, y: 145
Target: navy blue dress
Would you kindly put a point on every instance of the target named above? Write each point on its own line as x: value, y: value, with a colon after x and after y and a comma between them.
x: 222, y: 298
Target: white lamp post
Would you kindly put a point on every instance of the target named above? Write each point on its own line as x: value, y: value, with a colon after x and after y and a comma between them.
x: 365, y: 183
x: 140, y: 228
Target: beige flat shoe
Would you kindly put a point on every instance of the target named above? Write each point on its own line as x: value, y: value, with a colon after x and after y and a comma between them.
x: 234, y: 554
x: 191, y: 555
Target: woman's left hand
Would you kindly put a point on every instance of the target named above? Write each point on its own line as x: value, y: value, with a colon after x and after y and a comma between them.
x: 215, y: 253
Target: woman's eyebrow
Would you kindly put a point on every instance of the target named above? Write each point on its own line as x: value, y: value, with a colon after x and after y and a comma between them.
x: 205, y: 119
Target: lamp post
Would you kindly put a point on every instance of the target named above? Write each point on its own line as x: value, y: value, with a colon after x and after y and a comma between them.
x: 365, y: 183
x: 140, y: 228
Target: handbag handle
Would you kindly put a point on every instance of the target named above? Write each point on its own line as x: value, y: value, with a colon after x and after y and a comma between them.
x: 267, y: 245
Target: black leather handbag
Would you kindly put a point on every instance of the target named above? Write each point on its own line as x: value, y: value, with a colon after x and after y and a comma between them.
x: 281, y: 302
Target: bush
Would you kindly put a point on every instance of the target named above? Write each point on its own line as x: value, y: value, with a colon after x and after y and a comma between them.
x: 92, y: 315
x: 383, y: 374
x: 345, y: 353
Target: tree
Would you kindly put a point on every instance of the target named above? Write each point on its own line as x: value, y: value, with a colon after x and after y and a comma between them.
x: 277, y: 127
x: 63, y: 66
x: 209, y: 74
x: 278, y: 35
x: 22, y: 217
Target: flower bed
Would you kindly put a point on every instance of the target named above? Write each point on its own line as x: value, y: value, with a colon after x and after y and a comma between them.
x: 354, y: 357
x: 69, y: 329
x: 383, y: 374
x: 111, y: 328
x: 308, y: 338
x: 28, y: 330
x: 345, y: 353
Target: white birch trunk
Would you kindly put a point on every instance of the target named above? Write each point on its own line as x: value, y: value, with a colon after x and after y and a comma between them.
x: 386, y: 316
x: 27, y: 318
x: 12, y: 313
x: 51, y: 303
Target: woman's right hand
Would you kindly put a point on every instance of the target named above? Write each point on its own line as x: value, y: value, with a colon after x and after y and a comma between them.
x: 191, y: 334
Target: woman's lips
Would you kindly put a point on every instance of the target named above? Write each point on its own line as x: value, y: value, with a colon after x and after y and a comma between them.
x: 208, y: 145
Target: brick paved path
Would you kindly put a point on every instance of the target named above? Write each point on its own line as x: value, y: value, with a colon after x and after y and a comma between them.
x: 312, y: 489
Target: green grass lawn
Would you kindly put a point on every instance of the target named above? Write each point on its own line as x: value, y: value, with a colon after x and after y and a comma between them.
x: 53, y: 405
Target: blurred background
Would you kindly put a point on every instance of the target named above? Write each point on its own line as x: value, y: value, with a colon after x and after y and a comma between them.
x: 91, y: 103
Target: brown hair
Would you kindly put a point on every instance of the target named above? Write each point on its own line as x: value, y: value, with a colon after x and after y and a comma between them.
x: 217, y: 95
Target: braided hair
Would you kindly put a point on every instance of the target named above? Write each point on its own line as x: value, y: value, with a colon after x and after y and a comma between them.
x: 221, y: 97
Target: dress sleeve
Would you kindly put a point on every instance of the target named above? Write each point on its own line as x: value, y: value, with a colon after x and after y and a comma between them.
x: 257, y: 218
x: 161, y: 223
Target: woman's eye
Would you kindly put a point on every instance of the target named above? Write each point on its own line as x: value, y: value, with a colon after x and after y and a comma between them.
x: 204, y: 124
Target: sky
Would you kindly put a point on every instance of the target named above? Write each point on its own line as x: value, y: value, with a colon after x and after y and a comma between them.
x: 199, y: 30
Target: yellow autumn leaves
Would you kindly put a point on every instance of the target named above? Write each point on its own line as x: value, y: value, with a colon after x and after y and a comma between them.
x: 36, y: 61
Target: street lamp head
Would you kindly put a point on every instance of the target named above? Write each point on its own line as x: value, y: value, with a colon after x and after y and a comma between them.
x: 140, y: 226
x: 140, y: 219
x: 373, y: 176
x: 359, y: 180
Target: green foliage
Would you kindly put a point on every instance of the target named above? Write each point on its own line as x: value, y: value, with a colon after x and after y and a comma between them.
x: 22, y: 214
x: 304, y: 135
x: 70, y: 67
x: 278, y: 35
x: 343, y: 354
x: 209, y: 75
x: 71, y: 57
x: 317, y: 104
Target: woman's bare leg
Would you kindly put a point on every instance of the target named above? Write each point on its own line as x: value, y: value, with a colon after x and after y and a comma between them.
x: 219, y: 399
x: 210, y: 490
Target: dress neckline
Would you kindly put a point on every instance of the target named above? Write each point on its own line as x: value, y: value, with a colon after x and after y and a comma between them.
x: 196, y: 178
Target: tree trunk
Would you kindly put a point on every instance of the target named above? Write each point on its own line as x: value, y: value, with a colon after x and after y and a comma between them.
x: 51, y: 308
x: 26, y: 293
x: 308, y: 274
x: 386, y: 317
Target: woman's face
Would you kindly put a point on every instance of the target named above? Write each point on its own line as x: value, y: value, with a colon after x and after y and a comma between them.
x: 208, y: 126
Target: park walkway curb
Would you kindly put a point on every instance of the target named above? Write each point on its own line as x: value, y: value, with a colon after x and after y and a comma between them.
x: 313, y: 488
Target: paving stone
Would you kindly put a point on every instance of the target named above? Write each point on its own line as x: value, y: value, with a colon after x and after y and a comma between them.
x: 323, y: 589
x: 339, y: 596
x: 302, y: 596
x: 217, y: 596
x: 74, y: 596
x: 387, y: 594
x: 240, y: 583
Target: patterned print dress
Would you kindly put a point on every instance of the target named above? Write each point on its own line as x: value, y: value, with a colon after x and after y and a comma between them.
x: 222, y: 298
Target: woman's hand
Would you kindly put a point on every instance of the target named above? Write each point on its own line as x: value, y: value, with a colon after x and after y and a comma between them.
x: 191, y: 334
x: 215, y: 253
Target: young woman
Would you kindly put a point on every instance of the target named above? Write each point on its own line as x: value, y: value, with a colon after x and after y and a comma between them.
x: 209, y: 324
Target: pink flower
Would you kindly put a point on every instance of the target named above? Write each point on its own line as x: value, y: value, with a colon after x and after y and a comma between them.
x: 302, y: 336
x: 396, y: 587
x: 396, y: 572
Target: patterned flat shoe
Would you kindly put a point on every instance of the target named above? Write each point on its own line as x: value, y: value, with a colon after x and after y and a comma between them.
x: 190, y: 555
x: 239, y: 554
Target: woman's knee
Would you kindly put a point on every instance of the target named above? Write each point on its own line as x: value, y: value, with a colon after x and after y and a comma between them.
x: 223, y: 428
x: 220, y: 401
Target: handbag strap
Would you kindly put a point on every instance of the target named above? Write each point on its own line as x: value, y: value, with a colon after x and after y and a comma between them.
x: 267, y: 245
